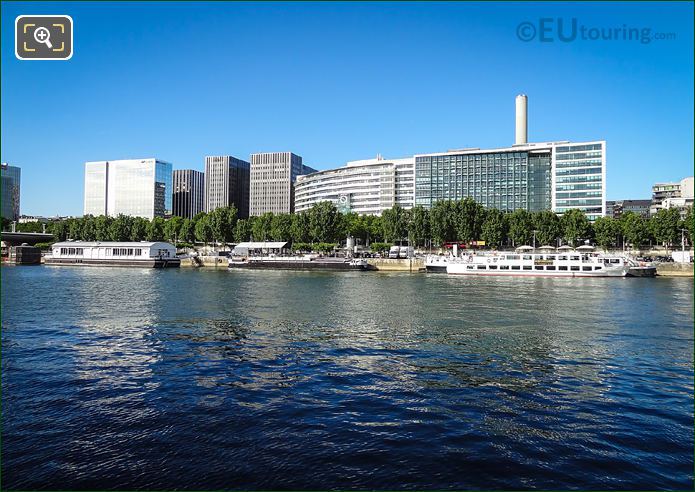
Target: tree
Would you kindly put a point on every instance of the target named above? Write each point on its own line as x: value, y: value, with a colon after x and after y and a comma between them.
x: 88, y: 231
x: 494, y: 229
x: 222, y: 222
x: 299, y: 231
x: 443, y: 221
x: 155, y: 229
x: 59, y: 229
x: 547, y: 226
x: 394, y: 223
x: 419, y: 225
x: 634, y: 228
x: 242, y: 231
x: 520, y: 227
x: 261, y: 225
x: 281, y: 227
x: 665, y: 226
x: 688, y: 224
x: 324, y: 222
x: 138, y: 229
x: 172, y: 229
x: 575, y: 226
x: 469, y: 220
x: 203, y: 230
x: 120, y: 228
x: 606, y: 232
x: 102, y: 225
x: 74, y: 229
x: 373, y: 228
x: 187, y: 231
x: 353, y: 225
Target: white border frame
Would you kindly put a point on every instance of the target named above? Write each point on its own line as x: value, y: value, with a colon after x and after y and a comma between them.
x: 72, y: 34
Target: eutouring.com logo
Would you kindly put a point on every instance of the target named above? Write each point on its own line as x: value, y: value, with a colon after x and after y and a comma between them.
x: 551, y: 29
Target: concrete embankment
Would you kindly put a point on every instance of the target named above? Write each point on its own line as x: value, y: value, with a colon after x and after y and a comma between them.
x: 405, y: 265
x: 205, y: 261
x: 674, y: 269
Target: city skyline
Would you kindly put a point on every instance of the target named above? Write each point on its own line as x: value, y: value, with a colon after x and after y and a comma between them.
x: 351, y: 97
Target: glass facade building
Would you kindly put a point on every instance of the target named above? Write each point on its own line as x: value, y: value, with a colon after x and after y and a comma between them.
x: 579, y: 178
x: 11, y: 181
x: 134, y: 187
x: 366, y: 187
x: 506, y: 179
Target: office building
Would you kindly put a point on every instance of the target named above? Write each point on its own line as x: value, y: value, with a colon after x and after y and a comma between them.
x: 134, y: 187
x: 556, y: 176
x: 227, y: 183
x: 273, y: 175
x: 188, y: 193
x: 366, y: 187
x: 10, y: 177
x: 667, y: 195
x: 615, y: 208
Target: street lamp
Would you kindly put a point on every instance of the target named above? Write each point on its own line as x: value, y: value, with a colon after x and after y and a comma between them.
x: 534, y: 238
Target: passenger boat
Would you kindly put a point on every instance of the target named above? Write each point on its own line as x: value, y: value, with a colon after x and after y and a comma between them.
x: 526, y: 261
x: 306, y: 262
x: 117, y: 254
x: 436, y: 263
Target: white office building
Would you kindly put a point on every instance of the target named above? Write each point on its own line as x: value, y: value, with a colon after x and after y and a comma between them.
x: 134, y: 187
x: 367, y: 187
x: 667, y: 195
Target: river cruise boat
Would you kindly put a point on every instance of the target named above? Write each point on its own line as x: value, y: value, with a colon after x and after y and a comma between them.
x: 549, y: 262
x: 306, y: 262
x: 437, y: 263
x: 117, y: 254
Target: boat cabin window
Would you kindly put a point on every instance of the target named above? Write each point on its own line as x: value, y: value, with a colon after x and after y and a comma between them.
x: 586, y: 268
x: 615, y: 260
x: 71, y: 251
x: 504, y: 267
x: 513, y: 257
x: 550, y: 267
x: 550, y: 257
x: 598, y: 268
x: 562, y: 267
x: 528, y: 257
x: 527, y: 267
x: 563, y: 257
x: 481, y: 267
x: 538, y: 267
x: 574, y: 268
x: 574, y: 257
x: 493, y: 267
x: 469, y: 267
x: 515, y: 267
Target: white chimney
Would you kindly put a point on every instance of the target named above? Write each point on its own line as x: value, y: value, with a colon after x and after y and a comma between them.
x: 521, y: 136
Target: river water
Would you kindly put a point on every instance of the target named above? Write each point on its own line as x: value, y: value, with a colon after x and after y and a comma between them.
x: 210, y: 379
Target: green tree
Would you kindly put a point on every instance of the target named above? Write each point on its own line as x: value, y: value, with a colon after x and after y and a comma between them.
x: 443, y: 221
x: 634, y: 228
x: 419, y: 225
x: 203, y: 230
x: 172, y: 229
x: 324, y: 223
x: 88, y: 231
x: 469, y: 220
x: 373, y: 228
x: 281, y: 227
x: 354, y: 226
x: 222, y: 222
x: 575, y: 226
x: 102, y: 225
x: 187, y: 231
x: 299, y: 231
x: 394, y: 223
x: 242, y: 231
x: 665, y: 226
x: 155, y: 229
x: 494, y: 229
x: 74, y: 229
x: 120, y: 228
x: 260, y: 228
x: 547, y: 226
x: 606, y: 232
x: 688, y: 224
x: 138, y: 229
x: 59, y: 229
x: 521, y: 227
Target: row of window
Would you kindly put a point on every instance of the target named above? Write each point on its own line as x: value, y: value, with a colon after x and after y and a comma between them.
x: 562, y: 268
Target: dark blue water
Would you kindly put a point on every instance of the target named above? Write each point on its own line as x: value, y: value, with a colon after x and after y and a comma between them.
x: 203, y: 379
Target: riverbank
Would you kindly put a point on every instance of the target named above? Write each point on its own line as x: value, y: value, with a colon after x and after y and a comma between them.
x: 674, y: 269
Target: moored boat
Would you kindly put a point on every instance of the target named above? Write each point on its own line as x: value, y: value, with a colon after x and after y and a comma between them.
x: 525, y: 261
x: 436, y: 263
x: 117, y: 254
x: 306, y: 262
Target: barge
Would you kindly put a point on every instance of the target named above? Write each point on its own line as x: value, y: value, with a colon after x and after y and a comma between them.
x: 115, y: 254
x: 298, y: 263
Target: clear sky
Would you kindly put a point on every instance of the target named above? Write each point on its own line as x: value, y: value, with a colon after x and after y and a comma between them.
x: 334, y: 82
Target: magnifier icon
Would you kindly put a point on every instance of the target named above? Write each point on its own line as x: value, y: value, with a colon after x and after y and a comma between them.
x: 43, y: 35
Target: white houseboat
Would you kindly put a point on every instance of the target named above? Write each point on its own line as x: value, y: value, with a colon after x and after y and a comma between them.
x: 126, y: 254
x: 549, y: 262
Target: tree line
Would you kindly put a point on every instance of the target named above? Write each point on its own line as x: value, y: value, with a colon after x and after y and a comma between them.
x: 323, y: 226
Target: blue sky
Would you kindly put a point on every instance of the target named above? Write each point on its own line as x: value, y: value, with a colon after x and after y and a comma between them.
x: 334, y: 82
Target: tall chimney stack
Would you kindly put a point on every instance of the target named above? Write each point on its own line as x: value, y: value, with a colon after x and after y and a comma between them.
x: 521, y: 136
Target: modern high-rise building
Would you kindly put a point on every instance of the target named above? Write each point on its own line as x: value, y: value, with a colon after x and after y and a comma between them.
x: 273, y: 175
x: 227, y: 183
x: 11, y: 181
x: 188, y: 193
x: 134, y: 187
x: 366, y: 187
x: 667, y: 195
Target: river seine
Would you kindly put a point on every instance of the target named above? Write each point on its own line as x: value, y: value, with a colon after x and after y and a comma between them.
x: 210, y: 379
